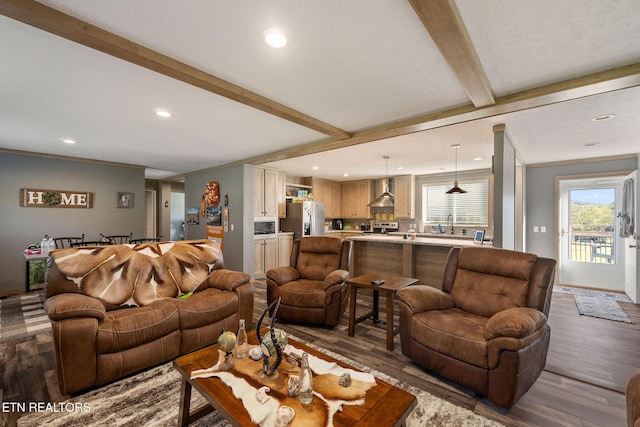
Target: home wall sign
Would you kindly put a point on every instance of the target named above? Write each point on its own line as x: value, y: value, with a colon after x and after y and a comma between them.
x: 35, y: 198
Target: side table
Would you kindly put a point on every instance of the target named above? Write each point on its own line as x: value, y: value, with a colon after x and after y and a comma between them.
x: 30, y: 258
x: 390, y: 286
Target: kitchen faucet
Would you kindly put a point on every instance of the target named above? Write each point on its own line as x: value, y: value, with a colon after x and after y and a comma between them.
x: 450, y: 221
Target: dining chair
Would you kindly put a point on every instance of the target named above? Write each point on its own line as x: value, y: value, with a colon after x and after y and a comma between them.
x: 146, y: 240
x: 117, y: 239
x: 65, y: 242
x: 92, y: 243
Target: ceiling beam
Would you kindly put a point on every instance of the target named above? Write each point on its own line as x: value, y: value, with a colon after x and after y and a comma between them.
x: 444, y: 24
x: 55, y: 22
x: 593, y: 84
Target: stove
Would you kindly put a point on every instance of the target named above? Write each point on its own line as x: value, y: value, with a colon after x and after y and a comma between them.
x: 383, y: 227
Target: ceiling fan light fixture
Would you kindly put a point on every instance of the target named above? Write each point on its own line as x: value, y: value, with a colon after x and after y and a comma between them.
x: 456, y: 189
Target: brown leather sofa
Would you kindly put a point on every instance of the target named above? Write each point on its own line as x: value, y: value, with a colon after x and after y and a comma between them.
x: 115, y: 309
x: 633, y: 400
x: 313, y: 288
x: 487, y: 328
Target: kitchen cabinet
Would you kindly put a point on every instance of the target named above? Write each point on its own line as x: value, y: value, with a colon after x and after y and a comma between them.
x: 330, y: 193
x: 280, y: 196
x: 285, y: 244
x: 404, y: 204
x: 356, y: 195
x: 265, y: 193
x: 265, y: 256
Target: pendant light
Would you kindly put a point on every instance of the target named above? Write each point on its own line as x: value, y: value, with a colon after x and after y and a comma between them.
x: 455, y: 189
x: 385, y: 199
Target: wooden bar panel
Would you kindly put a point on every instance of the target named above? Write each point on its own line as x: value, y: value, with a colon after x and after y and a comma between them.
x: 421, y: 261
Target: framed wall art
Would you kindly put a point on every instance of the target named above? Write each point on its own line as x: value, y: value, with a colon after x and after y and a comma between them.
x: 125, y: 200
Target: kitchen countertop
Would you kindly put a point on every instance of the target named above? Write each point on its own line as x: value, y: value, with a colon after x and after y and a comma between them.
x: 436, y: 235
x: 427, y: 241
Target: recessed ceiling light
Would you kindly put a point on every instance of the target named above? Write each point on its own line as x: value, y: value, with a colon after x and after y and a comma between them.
x: 345, y: 174
x: 400, y: 168
x: 315, y: 168
x: 275, y: 38
x: 68, y: 141
x: 478, y: 158
x: 163, y: 113
x: 603, y: 117
x: 591, y: 144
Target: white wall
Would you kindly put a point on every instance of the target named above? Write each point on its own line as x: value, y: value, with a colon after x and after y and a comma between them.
x: 177, y: 215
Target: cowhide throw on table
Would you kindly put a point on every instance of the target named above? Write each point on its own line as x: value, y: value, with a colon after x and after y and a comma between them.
x: 138, y: 274
x: 329, y: 396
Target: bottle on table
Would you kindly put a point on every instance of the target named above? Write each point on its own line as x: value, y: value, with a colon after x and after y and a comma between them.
x: 306, y: 381
x: 241, y: 341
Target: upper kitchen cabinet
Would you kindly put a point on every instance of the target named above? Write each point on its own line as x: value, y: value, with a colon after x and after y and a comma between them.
x: 330, y: 193
x: 280, y: 196
x: 356, y: 195
x: 265, y: 193
x: 404, y: 205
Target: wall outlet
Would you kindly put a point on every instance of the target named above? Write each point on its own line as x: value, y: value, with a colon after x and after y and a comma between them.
x: 543, y: 229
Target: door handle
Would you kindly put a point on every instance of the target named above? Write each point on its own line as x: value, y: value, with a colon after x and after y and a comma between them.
x: 634, y: 246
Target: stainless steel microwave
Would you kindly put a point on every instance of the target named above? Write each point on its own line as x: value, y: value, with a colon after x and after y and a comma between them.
x: 264, y: 227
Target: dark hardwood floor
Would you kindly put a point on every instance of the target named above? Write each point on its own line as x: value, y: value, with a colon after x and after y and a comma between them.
x: 583, y: 384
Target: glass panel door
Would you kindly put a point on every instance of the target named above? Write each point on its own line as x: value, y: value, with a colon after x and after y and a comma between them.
x: 592, y: 225
x: 591, y: 254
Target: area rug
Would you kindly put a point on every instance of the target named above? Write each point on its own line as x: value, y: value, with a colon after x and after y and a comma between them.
x: 152, y: 398
x: 22, y: 315
x: 600, y: 304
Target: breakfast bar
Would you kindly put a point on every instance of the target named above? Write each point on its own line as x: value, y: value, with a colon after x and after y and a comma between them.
x: 422, y: 258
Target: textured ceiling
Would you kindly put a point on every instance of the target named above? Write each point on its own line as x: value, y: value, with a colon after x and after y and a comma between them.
x: 355, y: 65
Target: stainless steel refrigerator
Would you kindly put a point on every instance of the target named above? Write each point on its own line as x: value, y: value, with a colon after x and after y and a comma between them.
x: 304, y: 219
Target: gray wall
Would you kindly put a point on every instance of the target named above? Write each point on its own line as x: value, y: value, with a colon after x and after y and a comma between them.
x: 21, y: 226
x: 541, y: 193
x: 237, y: 182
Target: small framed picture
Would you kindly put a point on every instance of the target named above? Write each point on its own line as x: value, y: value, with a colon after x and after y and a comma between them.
x: 125, y: 200
x: 478, y: 237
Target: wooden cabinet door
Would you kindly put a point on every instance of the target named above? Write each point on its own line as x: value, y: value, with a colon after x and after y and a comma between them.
x: 258, y: 192
x: 362, y: 197
x: 258, y: 258
x: 270, y: 254
x: 347, y: 200
x: 285, y: 243
x: 404, y: 191
x: 317, y: 187
x: 270, y: 193
x: 281, y: 199
x: 265, y: 193
x: 336, y: 199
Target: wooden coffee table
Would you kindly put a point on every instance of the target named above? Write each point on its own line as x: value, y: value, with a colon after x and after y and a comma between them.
x: 390, y: 286
x: 384, y: 403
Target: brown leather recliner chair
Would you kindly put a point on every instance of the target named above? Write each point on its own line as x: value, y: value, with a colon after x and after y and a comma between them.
x: 487, y: 329
x: 633, y: 400
x: 313, y: 288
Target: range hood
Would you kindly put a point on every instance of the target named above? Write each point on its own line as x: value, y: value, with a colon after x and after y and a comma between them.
x: 385, y: 198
